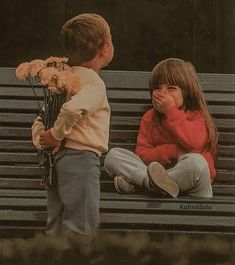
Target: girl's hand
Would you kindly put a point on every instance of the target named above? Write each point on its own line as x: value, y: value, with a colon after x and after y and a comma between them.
x: 162, y: 101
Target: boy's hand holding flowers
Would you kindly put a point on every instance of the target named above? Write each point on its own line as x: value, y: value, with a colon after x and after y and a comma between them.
x: 48, y: 141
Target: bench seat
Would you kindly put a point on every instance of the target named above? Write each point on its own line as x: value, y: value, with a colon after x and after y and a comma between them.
x: 23, y: 200
x: 26, y: 212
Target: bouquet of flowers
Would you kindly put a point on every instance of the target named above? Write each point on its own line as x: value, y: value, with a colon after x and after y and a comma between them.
x: 58, y: 83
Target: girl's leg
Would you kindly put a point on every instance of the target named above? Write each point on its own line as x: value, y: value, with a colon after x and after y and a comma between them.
x: 192, y: 175
x: 79, y: 188
x: 122, y: 162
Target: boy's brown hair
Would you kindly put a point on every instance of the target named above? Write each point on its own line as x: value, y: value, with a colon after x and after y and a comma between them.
x: 83, y: 36
x: 180, y: 73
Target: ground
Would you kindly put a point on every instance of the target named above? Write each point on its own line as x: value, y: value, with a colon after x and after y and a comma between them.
x: 137, y: 248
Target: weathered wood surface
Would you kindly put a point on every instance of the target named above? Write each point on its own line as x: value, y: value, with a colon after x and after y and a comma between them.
x: 23, y: 200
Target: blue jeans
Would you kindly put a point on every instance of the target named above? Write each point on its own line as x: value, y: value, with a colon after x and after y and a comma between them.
x: 74, y: 200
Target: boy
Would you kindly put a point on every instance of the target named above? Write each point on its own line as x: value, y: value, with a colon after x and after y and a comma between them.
x: 83, y: 123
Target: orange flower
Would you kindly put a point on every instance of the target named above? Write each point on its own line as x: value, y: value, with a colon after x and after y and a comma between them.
x: 53, y: 73
x: 22, y: 71
x: 56, y: 60
x: 48, y: 77
x: 68, y: 81
x: 71, y: 83
x: 63, y: 67
x: 35, y: 66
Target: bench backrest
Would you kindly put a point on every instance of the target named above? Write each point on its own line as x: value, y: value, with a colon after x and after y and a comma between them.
x: 129, y: 99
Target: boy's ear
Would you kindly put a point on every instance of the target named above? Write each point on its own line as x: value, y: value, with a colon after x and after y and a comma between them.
x: 104, y: 50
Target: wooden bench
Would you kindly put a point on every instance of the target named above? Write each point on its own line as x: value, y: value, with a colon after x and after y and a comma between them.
x: 23, y: 200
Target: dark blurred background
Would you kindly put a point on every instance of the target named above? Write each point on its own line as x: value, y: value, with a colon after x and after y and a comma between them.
x: 144, y: 31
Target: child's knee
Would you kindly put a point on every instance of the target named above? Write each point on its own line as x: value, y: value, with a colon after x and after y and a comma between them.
x: 196, y: 166
x: 110, y: 158
x: 199, y: 166
x: 197, y: 162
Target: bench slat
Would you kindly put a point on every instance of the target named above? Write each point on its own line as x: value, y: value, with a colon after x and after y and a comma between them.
x: 184, y: 199
x: 171, y: 221
x: 226, y: 163
x: 17, y: 145
x: 26, y: 120
x: 153, y: 207
x: 19, y: 158
x: 33, y: 171
x: 130, y: 135
x: 22, y: 92
x: 17, y: 94
x: 124, y: 79
x: 22, y: 183
x: 23, y: 193
x: 27, y: 145
x: 26, y: 216
x: 218, y: 222
x: 26, y: 157
x: 225, y: 176
x: 124, y: 135
x: 10, y: 171
x: 106, y: 185
x: 14, y: 119
x: 114, y: 196
x: 31, y: 106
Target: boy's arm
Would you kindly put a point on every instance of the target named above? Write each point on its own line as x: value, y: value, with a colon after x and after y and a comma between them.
x: 164, y: 153
x: 87, y: 101
x: 190, y: 133
x: 36, y: 129
x: 42, y: 139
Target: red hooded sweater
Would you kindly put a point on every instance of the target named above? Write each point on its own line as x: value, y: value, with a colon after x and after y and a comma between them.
x: 178, y: 132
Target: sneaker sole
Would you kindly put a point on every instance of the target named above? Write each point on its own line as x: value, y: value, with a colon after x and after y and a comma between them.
x: 121, y: 191
x: 160, y: 180
x: 116, y: 185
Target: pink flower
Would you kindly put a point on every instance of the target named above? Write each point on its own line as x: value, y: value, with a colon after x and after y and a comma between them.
x: 22, y: 71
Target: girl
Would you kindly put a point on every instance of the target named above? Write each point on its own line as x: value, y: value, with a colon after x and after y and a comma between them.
x: 177, y: 140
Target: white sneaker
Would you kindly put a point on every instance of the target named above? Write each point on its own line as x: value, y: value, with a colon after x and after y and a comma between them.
x: 123, y: 186
x: 160, y: 181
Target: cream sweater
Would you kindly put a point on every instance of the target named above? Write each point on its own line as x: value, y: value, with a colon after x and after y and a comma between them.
x: 84, y: 119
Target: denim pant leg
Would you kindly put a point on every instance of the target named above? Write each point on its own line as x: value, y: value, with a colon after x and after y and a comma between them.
x: 79, y: 190
x: 55, y: 210
x: 125, y: 163
x: 192, y: 175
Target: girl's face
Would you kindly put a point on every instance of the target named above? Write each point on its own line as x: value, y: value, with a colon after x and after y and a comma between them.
x: 171, y: 90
